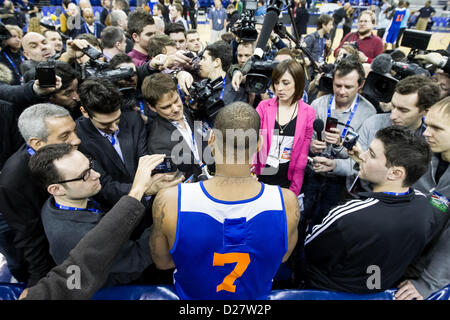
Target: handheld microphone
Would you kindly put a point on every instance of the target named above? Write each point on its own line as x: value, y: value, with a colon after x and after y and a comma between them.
x: 318, y: 126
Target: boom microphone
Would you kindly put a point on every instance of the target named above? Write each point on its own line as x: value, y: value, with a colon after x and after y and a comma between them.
x: 318, y: 126
x: 270, y: 20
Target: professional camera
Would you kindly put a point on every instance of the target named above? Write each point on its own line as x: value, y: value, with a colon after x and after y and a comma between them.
x: 100, y: 69
x: 244, y: 28
x: 326, y: 80
x: 403, y: 70
x: 258, y: 77
x: 204, y: 94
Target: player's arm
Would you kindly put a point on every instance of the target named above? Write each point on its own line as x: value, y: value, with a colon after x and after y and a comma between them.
x: 164, y: 225
x: 292, y: 218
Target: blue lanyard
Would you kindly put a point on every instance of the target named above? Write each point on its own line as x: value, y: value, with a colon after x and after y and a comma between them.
x: 322, y: 47
x: 423, y: 127
x: 16, y: 70
x: 344, y: 132
x: 141, y: 106
x: 397, y: 193
x: 113, y: 138
x: 30, y: 150
x: 223, y: 88
x: 88, y: 31
x: 181, y: 94
x: 59, y: 206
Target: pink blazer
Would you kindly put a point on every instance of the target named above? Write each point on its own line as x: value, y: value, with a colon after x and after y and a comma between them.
x: 267, y: 111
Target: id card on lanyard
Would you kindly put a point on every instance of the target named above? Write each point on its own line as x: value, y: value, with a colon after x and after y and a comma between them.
x: 352, y: 113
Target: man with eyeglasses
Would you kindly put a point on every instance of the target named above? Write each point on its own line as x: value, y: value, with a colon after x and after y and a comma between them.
x: 21, y: 199
x: 369, y: 45
x: 70, y: 213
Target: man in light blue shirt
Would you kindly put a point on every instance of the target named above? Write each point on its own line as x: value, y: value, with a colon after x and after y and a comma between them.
x: 217, y: 17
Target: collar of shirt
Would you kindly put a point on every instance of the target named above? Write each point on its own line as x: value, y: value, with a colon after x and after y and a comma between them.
x: 109, y: 136
x: 138, y: 55
x: 333, y: 104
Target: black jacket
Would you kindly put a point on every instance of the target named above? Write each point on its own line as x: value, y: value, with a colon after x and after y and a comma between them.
x: 116, y: 176
x: 384, y: 231
x: 11, y: 139
x: 21, y: 200
x: 160, y: 141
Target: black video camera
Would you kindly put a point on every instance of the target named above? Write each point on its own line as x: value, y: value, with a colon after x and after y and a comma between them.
x: 204, y: 93
x: 244, y: 28
x: 259, y: 76
x: 326, y: 80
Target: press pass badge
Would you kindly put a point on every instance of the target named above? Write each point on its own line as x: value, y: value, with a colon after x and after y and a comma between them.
x: 439, y: 201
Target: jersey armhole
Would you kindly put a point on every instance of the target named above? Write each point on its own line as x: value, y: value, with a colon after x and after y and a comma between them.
x: 174, y: 247
x: 286, y: 241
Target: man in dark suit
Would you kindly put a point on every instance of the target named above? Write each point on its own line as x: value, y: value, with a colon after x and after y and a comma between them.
x: 115, y: 140
x: 172, y: 132
x: 21, y: 198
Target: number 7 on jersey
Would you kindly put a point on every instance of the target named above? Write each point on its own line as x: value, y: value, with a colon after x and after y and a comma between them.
x: 242, y: 259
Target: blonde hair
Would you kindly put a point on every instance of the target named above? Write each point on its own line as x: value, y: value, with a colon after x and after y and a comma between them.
x: 371, y: 14
x: 11, y: 27
x: 35, y: 25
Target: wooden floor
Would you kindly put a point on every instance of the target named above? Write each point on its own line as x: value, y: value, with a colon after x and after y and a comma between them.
x: 439, y: 40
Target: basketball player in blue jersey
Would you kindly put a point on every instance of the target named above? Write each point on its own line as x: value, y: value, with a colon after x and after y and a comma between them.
x: 394, y: 28
x: 227, y: 236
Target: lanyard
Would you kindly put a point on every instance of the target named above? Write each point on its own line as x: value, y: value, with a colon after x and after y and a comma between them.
x: 422, y: 127
x: 112, y: 137
x: 344, y: 132
x: 30, y: 150
x: 223, y: 87
x: 397, y: 193
x: 59, y: 206
x: 322, y: 47
x: 88, y: 31
x: 141, y: 106
x: 181, y: 94
x: 16, y: 70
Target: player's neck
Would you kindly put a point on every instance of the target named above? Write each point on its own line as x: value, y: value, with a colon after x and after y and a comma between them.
x: 232, y: 172
x: 321, y: 32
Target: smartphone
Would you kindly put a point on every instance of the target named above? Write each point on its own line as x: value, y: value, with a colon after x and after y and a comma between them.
x: 166, y: 166
x: 331, y: 123
x: 45, y: 73
x: 92, y: 53
x: 189, y: 55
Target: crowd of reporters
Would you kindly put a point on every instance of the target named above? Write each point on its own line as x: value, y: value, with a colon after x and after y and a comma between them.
x: 119, y: 92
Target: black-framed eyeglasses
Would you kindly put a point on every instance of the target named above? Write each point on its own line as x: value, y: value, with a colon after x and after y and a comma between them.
x: 84, y: 176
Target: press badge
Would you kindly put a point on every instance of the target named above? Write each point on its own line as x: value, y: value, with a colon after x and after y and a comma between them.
x: 439, y: 201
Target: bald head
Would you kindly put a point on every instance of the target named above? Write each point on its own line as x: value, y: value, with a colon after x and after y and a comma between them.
x: 236, y: 129
x: 36, y: 47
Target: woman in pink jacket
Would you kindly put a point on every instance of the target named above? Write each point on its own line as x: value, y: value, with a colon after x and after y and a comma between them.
x: 286, y: 129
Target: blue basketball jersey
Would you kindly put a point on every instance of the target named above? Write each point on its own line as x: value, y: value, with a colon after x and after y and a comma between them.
x: 393, y: 30
x: 228, y: 249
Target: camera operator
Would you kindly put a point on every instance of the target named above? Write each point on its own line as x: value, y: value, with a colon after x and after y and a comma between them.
x: 173, y: 127
x: 215, y: 62
x: 368, y: 44
x: 317, y: 43
x: 436, y: 59
x: 323, y: 188
x: 11, y: 55
x: 131, y: 94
